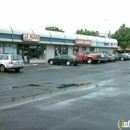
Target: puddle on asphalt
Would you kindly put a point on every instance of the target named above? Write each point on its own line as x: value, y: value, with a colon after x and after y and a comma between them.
x: 70, y: 85
x: 48, y: 85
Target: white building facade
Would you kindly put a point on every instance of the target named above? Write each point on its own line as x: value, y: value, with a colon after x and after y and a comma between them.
x: 37, y: 46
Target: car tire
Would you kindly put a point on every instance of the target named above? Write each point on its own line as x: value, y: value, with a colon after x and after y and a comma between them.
x: 51, y: 62
x: 2, y: 68
x: 89, y: 60
x: 17, y: 70
x: 75, y: 64
x: 122, y: 58
x: 68, y: 63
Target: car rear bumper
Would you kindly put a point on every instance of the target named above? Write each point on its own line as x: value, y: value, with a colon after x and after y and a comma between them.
x: 14, y: 67
x: 103, y: 59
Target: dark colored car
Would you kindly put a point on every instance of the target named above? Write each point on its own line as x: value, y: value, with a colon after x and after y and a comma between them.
x: 123, y: 56
x: 65, y: 59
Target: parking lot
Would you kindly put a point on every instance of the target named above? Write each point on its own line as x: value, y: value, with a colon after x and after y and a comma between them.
x: 99, y: 107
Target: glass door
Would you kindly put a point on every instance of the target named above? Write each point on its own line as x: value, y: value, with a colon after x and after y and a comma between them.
x: 23, y: 50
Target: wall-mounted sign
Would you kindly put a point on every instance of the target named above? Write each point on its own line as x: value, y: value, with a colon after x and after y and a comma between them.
x: 107, y: 44
x: 114, y: 44
x: 83, y: 42
x: 100, y: 43
x: 31, y: 37
x: 94, y: 43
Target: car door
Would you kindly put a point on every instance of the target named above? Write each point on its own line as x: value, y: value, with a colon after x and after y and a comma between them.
x: 65, y: 58
x: 57, y: 59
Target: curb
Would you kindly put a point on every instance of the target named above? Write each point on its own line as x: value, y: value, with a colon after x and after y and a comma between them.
x: 36, y: 64
x: 27, y: 99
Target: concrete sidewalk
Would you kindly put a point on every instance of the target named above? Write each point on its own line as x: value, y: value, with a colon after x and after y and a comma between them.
x: 35, y: 64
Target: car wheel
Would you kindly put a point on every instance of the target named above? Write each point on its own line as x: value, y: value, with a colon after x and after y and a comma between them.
x: 2, y: 68
x: 51, y: 62
x: 17, y: 70
x: 75, y: 64
x: 68, y: 63
x: 89, y: 60
x: 122, y: 58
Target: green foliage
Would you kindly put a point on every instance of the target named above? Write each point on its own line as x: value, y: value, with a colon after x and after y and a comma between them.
x: 86, y: 32
x: 53, y: 28
x: 122, y: 35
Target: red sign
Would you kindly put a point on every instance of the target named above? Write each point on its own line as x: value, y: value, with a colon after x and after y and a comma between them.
x: 31, y: 37
x: 83, y: 42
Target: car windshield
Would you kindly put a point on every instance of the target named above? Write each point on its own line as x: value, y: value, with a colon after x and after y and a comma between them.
x: 16, y: 57
x: 72, y: 56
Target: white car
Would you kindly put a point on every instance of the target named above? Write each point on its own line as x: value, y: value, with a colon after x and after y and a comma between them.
x: 128, y: 54
x: 11, y: 61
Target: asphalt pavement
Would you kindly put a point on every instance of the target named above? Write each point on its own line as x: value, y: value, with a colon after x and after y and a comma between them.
x: 84, y: 97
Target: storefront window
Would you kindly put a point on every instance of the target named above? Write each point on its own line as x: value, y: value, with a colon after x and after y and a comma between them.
x: 10, y: 48
x: 96, y: 49
x: 57, y: 50
x: 32, y: 52
x: 64, y: 50
x: 41, y: 52
x: 91, y: 48
x: 83, y: 48
x: 61, y: 50
x: 1, y: 48
x: 37, y: 52
x: 75, y: 49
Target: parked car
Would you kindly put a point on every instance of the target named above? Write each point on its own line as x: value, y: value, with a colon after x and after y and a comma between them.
x: 123, y: 56
x: 103, y: 57
x: 116, y: 56
x: 111, y: 57
x: 128, y: 54
x: 65, y: 59
x: 88, y: 57
x: 11, y: 61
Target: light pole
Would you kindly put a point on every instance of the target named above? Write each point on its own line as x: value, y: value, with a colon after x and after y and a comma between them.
x: 99, y: 25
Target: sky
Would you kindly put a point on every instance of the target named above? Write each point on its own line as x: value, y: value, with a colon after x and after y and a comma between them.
x: 68, y: 15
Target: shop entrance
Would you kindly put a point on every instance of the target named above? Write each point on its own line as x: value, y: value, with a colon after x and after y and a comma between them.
x: 23, y: 50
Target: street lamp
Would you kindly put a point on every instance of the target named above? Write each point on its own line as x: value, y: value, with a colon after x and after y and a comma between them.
x: 99, y: 24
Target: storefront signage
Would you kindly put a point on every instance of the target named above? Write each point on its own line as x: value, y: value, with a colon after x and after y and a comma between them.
x: 114, y: 45
x: 94, y: 43
x: 107, y: 44
x: 31, y: 37
x: 83, y: 42
x: 100, y: 43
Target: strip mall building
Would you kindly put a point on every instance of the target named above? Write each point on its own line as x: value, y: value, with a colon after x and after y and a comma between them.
x: 37, y: 46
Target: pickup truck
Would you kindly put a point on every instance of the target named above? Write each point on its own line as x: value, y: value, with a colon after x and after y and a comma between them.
x: 89, y: 57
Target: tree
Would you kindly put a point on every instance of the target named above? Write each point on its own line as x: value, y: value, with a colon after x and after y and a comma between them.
x: 86, y: 32
x: 122, y: 35
x: 53, y: 28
